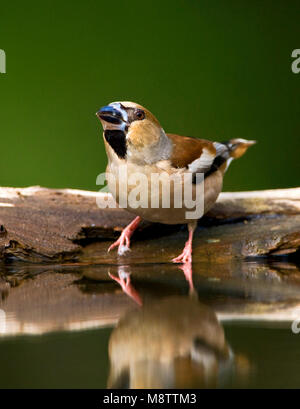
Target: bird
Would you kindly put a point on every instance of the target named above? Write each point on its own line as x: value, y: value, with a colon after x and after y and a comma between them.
x: 136, y: 144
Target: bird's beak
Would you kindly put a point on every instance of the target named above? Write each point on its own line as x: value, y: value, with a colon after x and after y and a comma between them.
x: 250, y: 143
x: 111, y: 114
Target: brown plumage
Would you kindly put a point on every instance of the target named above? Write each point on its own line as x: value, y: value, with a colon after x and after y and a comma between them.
x: 187, y: 149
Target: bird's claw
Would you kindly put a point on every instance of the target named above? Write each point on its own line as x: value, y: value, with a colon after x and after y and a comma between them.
x: 184, y: 257
x: 123, y: 244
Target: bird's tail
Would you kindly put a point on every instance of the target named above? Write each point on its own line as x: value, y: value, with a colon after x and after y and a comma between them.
x: 226, y: 152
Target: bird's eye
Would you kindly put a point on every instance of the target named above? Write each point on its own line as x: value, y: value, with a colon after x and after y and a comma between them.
x: 139, y: 114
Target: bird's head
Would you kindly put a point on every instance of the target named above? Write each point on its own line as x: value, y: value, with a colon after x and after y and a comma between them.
x: 237, y: 147
x: 133, y: 132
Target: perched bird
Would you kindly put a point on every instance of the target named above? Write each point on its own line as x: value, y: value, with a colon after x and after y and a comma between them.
x: 134, y: 138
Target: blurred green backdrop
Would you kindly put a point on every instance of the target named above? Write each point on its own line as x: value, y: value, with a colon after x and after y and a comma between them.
x: 214, y: 69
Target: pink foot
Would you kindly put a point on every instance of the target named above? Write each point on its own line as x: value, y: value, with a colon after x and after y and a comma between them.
x: 185, y: 256
x: 124, y: 281
x: 123, y: 242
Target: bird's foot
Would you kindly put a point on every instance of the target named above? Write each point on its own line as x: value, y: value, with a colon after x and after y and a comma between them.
x: 123, y: 242
x: 124, y: 281
x: 185, y: 256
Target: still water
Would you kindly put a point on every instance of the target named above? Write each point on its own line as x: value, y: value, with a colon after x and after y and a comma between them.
x: 149, y: 326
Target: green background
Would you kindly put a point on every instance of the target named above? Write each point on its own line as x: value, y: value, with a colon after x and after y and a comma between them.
x: 213, y: 69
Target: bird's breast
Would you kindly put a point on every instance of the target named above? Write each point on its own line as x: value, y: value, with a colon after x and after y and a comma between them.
x: 159, y: 193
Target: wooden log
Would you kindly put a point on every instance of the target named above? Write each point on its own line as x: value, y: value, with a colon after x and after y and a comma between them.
x: 55, y: 226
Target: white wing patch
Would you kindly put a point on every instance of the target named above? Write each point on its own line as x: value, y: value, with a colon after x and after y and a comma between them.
x: 203, y: 163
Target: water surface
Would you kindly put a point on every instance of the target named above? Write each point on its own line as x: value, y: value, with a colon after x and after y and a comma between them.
x: 74, y: 327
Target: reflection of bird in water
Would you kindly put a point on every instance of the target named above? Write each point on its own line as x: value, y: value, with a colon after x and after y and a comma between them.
x: 174, y: 343
x: 124, y: 281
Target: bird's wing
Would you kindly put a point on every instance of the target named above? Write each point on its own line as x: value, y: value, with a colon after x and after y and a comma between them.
x: 197, y: 155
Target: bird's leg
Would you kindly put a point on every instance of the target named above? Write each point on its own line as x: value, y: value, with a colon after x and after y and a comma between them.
x: 124, y: 281
x: 186, y: 255
x: 123, y: 242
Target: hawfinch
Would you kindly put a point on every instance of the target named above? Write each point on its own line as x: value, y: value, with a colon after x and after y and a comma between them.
x: 136, y: 144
